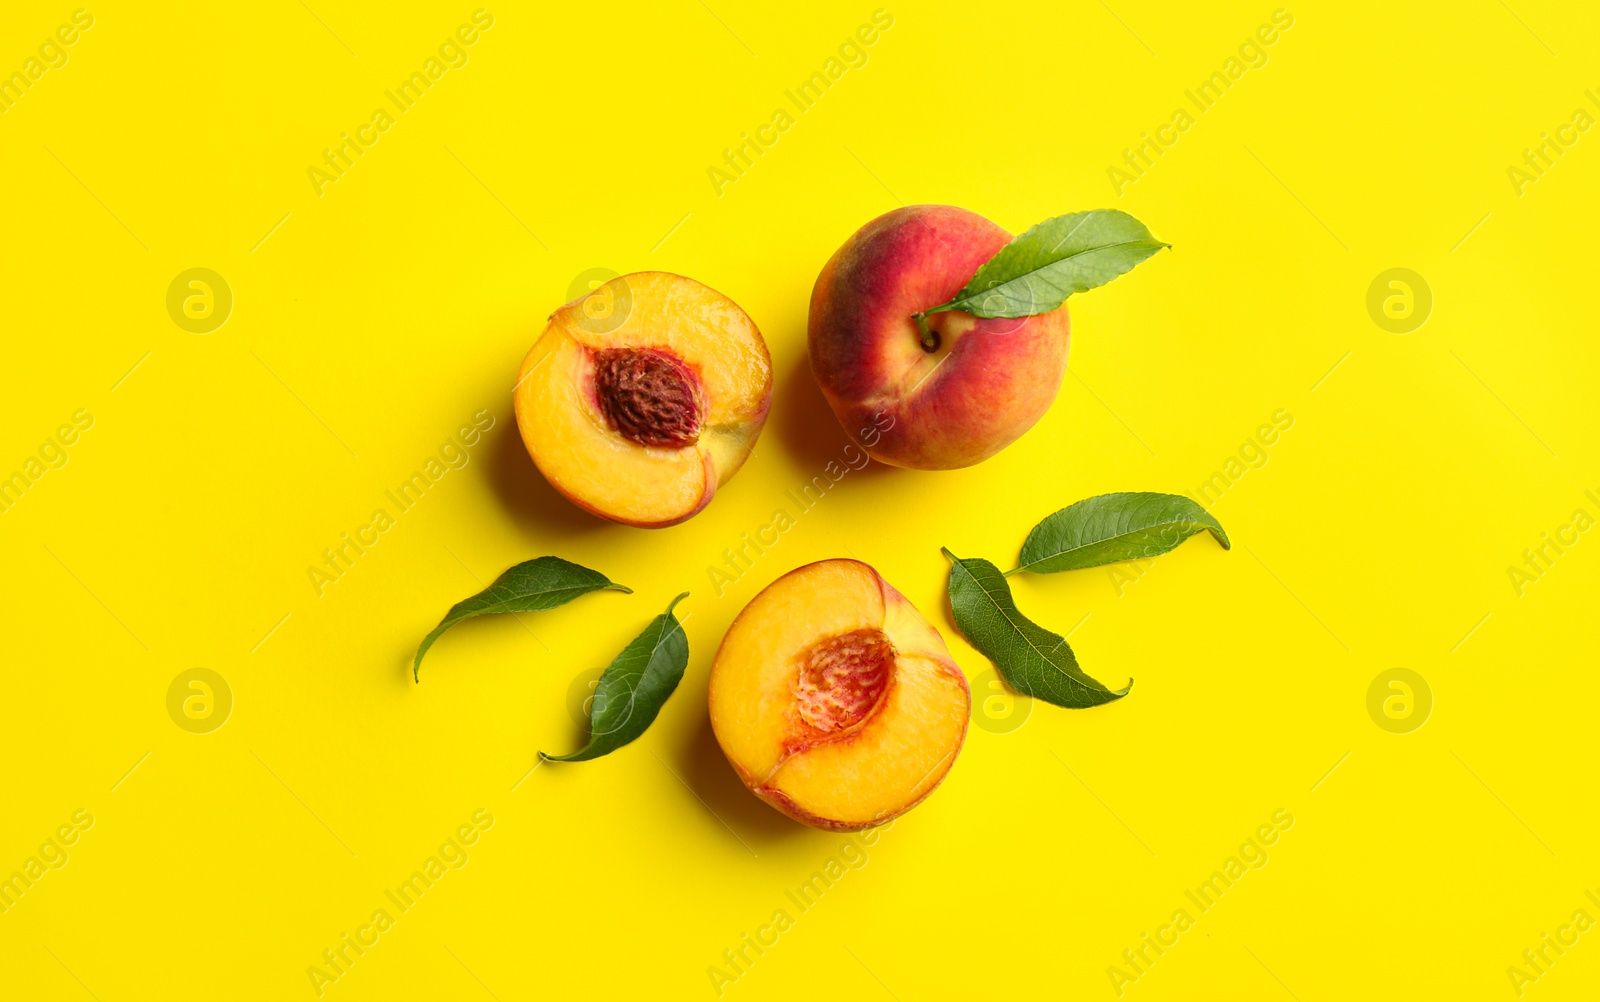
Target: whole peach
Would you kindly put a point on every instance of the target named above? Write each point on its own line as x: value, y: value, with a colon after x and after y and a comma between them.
x: 956, y: 397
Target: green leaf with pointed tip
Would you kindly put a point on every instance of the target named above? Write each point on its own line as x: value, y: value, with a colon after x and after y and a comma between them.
x: 1036, y: 272
x: 1030, y: 658
x: 1130, y: 525
x: 633, y: 688
x: 531, y: 586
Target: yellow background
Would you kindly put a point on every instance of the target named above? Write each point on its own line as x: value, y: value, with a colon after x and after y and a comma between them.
x: 374, y: 319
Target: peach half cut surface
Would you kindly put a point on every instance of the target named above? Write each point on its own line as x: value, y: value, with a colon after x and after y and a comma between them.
x: 643, y: 397
x: 835, y: 701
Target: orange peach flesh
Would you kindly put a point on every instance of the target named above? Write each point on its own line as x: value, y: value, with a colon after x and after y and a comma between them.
x: 642, y: 423
x: 835, y: 700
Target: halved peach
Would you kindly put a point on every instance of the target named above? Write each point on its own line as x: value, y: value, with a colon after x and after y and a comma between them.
x: 643, y: 397
x: 835, y: 700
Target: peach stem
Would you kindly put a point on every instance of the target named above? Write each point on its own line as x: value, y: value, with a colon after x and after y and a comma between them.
x: 930, y: 337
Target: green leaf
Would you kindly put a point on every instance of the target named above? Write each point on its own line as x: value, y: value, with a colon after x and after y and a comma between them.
x: 1124, y: 526
x: 531, y: 586
x: 1036, y: 272
x: 1030, y: 658
x: 635, y: 685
